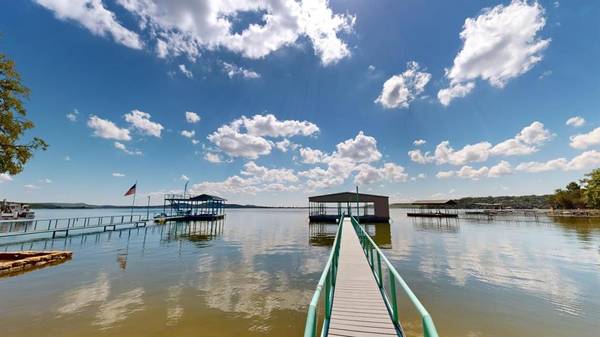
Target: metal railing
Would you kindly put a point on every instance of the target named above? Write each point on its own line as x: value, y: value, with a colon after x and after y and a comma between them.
x: 30, y: 226
x: 327, y: 280
x: 375, y: 258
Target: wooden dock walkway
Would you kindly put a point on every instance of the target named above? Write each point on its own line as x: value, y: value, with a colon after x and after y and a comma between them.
x: 358, y: 308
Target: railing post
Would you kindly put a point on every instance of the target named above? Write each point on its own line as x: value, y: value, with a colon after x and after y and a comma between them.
x: 328, y: 295
x: 379, y: 276
x: 394, y: 298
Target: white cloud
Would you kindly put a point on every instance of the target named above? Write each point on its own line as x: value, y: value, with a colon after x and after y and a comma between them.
x: 118, y: 175
x: 233, y: 70
x: 92, y: 15
x: 192, y: 117
x: 140, y: 121
x: 213, y: 157
x: 527, y: 141
x: 188, y: 134
x: 32, y: 187
x: 124, y: 148
x: 264, y: 174
x: 360, y: 149
x: 5, y: 177
x: 104, y: 128
x: 72, y: 116
x: 575, y: 121
x: 311, y: 156
x: 498, y: 45
x: 184, y: 177
x: 45, y: 181
x: 189, y: 27
x: 468, y: 172
x: 419, y: 142
x: 586, y: 160
x: 400, y: 90
x: 185, y: 71
x: 371, y: 68
x: 232, y: 139
x: 285, y: 145
x: 269, y: 125
x: 456, y: 90
x: 585, y: 140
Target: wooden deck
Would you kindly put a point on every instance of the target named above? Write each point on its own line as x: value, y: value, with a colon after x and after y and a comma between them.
x: 358, y: 307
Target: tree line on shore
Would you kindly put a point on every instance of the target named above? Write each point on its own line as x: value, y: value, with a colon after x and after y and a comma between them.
x: 578, y: 195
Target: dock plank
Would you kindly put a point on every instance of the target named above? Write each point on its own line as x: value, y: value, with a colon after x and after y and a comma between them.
x: 358, y: 308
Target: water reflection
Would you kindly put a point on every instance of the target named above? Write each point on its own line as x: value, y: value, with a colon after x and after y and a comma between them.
x: 449, y: 225
x: 323, y: 234
x: 195, y: 231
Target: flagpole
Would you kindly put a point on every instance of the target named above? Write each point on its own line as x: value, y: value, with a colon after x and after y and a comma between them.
x: 133, y: 204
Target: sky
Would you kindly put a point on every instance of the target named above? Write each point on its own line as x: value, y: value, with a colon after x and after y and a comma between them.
x: 269, y: 101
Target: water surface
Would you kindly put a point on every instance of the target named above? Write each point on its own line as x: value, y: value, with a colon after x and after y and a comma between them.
x: 254, y: 273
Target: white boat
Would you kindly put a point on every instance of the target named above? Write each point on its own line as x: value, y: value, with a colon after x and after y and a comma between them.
x: 13, y: 211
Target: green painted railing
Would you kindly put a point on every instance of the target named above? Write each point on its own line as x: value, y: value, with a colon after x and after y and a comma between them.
x: 375, y: 258
x: 327, y: 280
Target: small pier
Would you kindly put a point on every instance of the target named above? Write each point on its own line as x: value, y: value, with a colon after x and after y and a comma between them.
x: 65, y: 226
x: 185, y: 207
x: 356, y: 301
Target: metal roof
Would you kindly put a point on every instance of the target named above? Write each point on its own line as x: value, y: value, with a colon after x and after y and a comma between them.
x: 434, y: 202
x: 200, y: 197
x: 346, y: 197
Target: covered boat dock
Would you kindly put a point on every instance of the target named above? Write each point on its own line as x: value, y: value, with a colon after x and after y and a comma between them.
x: 185, y: 207
x: 329, y: 208
x: 433, y: 209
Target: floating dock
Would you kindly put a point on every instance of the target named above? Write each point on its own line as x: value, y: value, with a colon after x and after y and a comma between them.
x: 185, y: 207
x: 12, y: 263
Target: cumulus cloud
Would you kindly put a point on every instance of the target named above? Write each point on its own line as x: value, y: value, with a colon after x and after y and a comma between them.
x: 586, y: 160
x: 527, y: 141
x: 186, y: 27
x: 213, y: 157
x: 124, y: 148
x: 468, y: 172
x: 233, y: 70
x: 585, y: 140
x: 192, y: 117
x: 268, y: 175
x: 361, y: 148
x: 311, y: 156
x: 498, y: 45
x: 576, y: 121
x: 400, y: 90
x: 367, y: 174
x: 188, y: 134
x: 245, y: 137
x: 118, y: 175
x: 140, y: 121
x: 93, y: 16
x: 285, y: 145
x: 106, y: 129
x: 185, y: 71
x: 419, y: 142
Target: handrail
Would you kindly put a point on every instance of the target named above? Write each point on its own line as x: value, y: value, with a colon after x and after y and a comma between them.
x: 327, y: 279
x: 368, y: 246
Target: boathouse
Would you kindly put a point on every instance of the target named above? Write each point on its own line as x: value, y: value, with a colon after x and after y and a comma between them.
x: 330, y: 207
x: 185, y: 207
x: 434, y: 209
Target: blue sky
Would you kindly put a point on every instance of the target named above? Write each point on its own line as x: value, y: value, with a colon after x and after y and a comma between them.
x: 296, y: 98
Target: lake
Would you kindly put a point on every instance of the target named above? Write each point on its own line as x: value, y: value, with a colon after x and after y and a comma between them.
x: 254, y: 273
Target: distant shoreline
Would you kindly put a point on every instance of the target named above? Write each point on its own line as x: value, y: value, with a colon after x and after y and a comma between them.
x: 51, y: 205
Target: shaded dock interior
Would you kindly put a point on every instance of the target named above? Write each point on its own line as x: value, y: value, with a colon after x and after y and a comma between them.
x: 368, y: 208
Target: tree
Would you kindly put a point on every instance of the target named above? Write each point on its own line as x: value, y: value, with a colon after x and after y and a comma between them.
x: 592, y: 188
x: 573, y: 196
x: 13, y: 155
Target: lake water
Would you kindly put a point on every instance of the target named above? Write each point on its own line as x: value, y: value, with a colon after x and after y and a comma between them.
x: 254, y: 273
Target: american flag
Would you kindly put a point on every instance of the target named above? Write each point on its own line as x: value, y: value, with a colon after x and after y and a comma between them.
x: 131, y: 190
